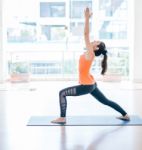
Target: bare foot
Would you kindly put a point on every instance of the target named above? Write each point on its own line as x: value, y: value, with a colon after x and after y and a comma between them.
x: 125, y: 118
x: 59, y: 120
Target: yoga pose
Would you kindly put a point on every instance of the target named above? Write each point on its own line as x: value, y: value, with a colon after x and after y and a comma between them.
x: 87, y: 83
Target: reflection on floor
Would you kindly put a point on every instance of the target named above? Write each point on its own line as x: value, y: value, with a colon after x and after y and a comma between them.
x: 18, y: 102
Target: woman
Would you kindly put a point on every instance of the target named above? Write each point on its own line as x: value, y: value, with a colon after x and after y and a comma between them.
x: 86, y: 80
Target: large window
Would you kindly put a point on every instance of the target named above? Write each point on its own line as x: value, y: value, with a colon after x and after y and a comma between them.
x: 54, y: 29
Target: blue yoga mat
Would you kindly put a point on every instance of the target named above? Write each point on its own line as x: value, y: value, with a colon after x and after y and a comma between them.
x: 85, y: 121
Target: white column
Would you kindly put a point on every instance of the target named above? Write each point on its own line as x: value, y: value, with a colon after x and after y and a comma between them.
x: 1, y: 43
x: 136, y: 70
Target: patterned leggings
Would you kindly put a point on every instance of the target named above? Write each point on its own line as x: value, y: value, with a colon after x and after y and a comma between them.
x: 82, y: 90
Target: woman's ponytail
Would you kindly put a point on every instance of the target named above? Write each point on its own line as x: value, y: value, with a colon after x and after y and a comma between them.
x: 102, y: 50
x: 104, y: 64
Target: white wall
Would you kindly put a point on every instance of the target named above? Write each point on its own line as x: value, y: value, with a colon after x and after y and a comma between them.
x: 137, y: 47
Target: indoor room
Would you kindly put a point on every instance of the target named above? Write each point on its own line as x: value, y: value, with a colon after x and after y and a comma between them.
x: 70, y: 75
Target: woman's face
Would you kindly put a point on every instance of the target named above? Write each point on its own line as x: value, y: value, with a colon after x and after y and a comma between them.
x: 95, y: 45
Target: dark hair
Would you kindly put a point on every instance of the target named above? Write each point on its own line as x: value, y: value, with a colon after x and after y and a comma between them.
x: 102, y: 50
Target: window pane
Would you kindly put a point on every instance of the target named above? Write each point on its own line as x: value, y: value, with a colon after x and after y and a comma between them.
x: 113, y: 30
x: 77, y: 28
x: 21, y: 31
x: 53, y: 32
x: 113, y: 8
x: 77, y: 8
x: 52, y: 9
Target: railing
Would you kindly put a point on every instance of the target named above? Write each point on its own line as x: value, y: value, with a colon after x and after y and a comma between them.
x: 42, y: 65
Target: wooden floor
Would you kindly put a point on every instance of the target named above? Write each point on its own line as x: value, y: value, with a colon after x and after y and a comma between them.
x: 18, y: 102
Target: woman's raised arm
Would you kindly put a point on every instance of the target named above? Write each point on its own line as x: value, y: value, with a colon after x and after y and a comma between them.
x: 87, y: 15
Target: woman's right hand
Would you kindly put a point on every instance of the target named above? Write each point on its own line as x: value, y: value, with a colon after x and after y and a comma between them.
x: 87, y: 13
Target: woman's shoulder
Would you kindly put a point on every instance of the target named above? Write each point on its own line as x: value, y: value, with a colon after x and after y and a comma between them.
x: 89, y: 55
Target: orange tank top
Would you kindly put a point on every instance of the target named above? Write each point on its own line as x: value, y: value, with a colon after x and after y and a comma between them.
x: 85, y: 77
